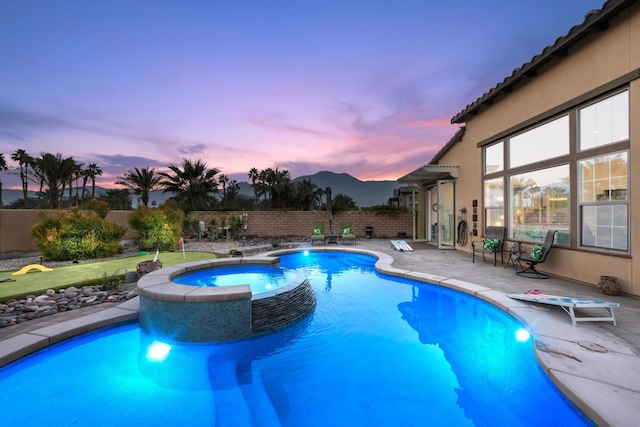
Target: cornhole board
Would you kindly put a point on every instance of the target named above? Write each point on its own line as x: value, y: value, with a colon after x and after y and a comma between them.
x: 401, y: 246
x: 568, y: 304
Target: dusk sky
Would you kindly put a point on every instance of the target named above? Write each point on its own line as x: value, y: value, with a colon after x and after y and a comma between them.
x: 366, y: 87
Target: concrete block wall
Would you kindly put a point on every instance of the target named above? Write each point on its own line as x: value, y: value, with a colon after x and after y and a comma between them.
x: 271, y: 224
x: 15, y: 225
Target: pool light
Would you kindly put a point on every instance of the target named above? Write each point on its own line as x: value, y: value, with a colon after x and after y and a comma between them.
x: 158, y: 351
x: 522, y: 335
x: 306, y: 253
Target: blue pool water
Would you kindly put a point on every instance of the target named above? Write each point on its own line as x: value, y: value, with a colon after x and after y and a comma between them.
x: 377, y: 351
x: 261, y: 278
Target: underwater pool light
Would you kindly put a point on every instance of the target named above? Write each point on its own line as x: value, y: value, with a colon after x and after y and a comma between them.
x: 522, y: 335
x: 158, y: 351
x: 306, y: 253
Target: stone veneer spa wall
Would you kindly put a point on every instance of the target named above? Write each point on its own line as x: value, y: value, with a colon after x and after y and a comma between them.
x: 201, y: 314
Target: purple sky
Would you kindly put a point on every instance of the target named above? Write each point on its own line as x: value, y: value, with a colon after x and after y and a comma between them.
x: 366, y: 87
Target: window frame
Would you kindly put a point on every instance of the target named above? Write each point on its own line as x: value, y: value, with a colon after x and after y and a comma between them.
x: 596, y: 230
x: 573, y: 237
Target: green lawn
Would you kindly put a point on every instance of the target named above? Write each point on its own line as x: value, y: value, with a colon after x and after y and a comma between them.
x: 36, y: 282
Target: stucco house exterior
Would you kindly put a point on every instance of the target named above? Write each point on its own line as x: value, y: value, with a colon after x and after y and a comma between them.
x: 555, y: 145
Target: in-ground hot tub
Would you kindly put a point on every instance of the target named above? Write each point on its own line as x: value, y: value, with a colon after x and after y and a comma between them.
x: 215, y: 313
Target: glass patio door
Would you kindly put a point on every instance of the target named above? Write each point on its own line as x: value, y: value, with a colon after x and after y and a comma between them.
x: 445, y: 210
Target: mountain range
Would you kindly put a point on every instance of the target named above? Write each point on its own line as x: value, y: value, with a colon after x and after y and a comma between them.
x: 364, y: 193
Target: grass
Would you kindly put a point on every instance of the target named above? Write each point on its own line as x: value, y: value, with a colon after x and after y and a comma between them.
x: 85, y: 273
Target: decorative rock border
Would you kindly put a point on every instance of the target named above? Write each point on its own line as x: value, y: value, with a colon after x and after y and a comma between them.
x: 201, y: 314
x: 51, y: 302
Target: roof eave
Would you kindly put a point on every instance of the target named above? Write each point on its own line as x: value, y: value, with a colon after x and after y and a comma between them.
x: 594, y: 22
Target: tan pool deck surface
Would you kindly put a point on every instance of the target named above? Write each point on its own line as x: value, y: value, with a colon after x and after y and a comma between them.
x: 596, y: 364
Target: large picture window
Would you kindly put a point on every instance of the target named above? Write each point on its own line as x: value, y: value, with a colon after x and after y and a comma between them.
x: 540, y: 202
x: 583, y: 150
x: 605, y: 122
x: 604, y: 201
x: 544, y: 142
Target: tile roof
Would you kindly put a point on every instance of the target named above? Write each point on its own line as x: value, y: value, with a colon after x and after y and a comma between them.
x: 594, y: 21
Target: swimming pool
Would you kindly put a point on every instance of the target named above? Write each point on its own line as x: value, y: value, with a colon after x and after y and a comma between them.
x: 261, y: 278
x: 377, y: 350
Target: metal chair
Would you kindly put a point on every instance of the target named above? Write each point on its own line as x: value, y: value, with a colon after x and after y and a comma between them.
x: 531, y: 271
x: 491, y: 244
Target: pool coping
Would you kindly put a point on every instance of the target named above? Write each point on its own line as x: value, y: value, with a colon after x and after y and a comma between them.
x: 595, y: 369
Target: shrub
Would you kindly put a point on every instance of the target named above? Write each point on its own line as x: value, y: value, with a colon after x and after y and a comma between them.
x: 156, y: 228
x: 74, y: 234
x: 98, y: 206
x: 236, y: 226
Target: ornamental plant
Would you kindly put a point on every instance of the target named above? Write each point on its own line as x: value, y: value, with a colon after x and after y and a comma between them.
x: 157, y: 228
x: 76, y: 234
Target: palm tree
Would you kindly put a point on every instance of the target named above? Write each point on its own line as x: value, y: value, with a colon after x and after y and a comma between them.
x: 24, y: 161
x: 93, y: 170
x: 90, y: 173
x: 142, y: 182
x: 263, y: 187
x: 231, y: 194
x: 53, y: 173
x: 254, y: 176
x: 306, y: 194
x: 74, y: 175
x: 275, y: 185
x: 224, y: 180
x: 280, y: 188
x: 192, y: 183
x: 3, y: 167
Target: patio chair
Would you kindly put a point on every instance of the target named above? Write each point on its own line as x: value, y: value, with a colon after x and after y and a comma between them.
x: 318, y: 233
x: 491, y: 244
x: 538, y: 256
x: 346, y: 232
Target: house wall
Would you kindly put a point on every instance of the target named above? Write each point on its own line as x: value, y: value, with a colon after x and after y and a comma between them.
x: 595, y: 61
x: 15, y: 225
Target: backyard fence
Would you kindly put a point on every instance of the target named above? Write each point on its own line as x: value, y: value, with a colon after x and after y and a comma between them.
x: 15, y: 225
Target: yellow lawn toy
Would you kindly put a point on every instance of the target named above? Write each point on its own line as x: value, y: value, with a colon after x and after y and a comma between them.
x: 26, y: 269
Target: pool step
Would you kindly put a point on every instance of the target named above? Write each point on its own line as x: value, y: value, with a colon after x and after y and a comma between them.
x: 240, y: 397
x: 262, y: 410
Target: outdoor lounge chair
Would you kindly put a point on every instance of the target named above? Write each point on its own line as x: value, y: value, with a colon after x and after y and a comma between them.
x: 568, y: 304
x: 346, y: 233
x: 318, y: 233
x: 491, y: 244
x: 533, y: 259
